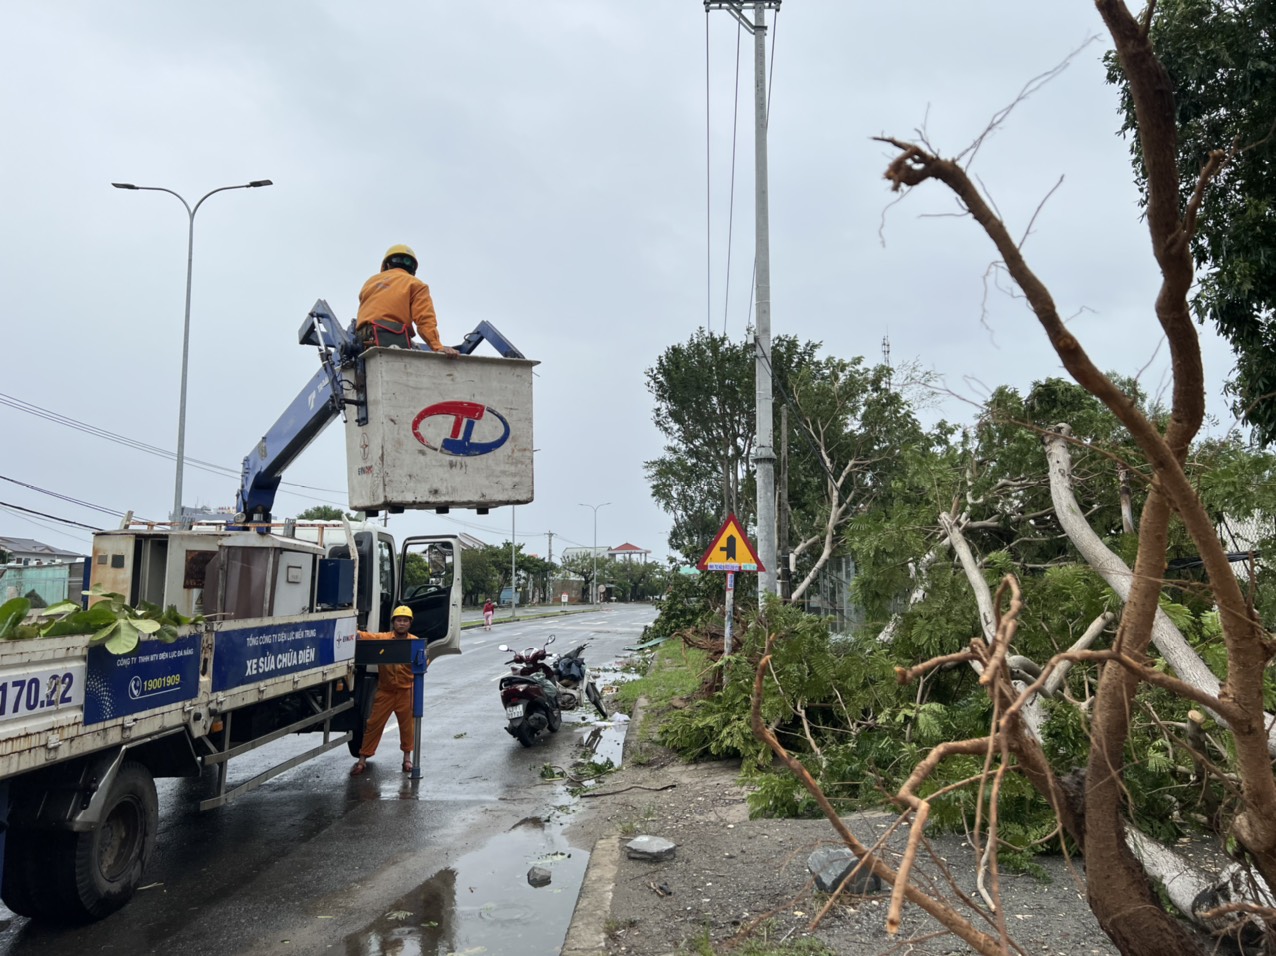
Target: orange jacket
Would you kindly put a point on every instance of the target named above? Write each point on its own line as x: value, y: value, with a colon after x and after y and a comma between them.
x: 396, y: 296
x: 390, y: 677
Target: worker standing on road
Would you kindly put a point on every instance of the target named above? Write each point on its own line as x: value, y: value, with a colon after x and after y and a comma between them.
x: 394, y: 696
x: 488, y: 610
x: 394, y: 300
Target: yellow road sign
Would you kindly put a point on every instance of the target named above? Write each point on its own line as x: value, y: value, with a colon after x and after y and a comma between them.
x: 731, y: 550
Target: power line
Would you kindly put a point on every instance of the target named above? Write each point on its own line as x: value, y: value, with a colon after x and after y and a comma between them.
x: 735, y: 126
x: 69, y: 422
x: 708, y: 190
x: 775, y: 27
x: 12, y: 507
x: 61, y: 497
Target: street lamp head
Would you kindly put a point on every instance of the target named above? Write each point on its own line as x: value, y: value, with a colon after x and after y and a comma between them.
x: 260, y: 182
x: 123, y: 185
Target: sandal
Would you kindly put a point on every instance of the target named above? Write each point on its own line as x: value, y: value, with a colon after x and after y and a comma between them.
x: 407, y: 764
x: 359, y: 768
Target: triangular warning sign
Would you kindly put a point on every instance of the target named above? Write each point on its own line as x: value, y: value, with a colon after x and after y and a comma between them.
x: 730, y: 550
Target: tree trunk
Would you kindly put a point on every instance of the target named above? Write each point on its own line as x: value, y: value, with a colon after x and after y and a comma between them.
x: 1116, y: 885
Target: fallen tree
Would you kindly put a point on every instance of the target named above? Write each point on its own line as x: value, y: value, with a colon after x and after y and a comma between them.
x: 1093, y: 806
x: 1118, y: 888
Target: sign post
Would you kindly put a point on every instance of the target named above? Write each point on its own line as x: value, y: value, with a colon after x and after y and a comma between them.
x: 730, y: 552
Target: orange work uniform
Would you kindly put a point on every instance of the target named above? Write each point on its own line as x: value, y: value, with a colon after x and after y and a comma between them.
x: 394, y: 696
x: 397, y: 298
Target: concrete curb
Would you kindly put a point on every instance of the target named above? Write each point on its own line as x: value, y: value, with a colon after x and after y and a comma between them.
x: 587, y: 934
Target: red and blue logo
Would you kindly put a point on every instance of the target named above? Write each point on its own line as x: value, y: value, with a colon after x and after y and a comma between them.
x: 458, y: 422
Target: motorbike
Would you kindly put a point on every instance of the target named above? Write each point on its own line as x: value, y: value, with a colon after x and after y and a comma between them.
x: 537, y: 691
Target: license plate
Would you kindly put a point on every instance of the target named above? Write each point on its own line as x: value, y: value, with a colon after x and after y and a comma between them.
x: 41, y: 690
x: 515, y: 711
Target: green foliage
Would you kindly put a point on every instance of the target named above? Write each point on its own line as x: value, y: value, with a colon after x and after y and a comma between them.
x: 691, y: 600
x: 834, y: 685
x: 835, y: 704
x: 629, y: 580
x: 485, y: 572
x: 110, y: 620
x: 325, y: 513
x: 703, y: 392
x: 11, y: 614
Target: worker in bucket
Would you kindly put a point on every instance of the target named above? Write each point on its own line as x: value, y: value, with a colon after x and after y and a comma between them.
x: 393, y: 301
x: 394, y: 696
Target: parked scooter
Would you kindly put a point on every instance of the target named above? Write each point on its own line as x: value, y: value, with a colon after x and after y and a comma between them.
x: 571, y: 675
x: 536, y: 693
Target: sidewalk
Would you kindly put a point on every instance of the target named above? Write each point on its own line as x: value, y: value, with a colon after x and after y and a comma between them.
x: 473, y: 616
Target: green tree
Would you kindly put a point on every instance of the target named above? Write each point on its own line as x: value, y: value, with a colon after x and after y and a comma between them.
x: 325, y: 513
x: 704, y: 402
x: 482, y: 571
x: 582, y: 564
x: 848, y: 425
x: 1218, y: 56
x: 633, y: 580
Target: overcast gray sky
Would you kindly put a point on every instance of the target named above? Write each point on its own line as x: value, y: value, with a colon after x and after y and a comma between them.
x: 547, y: 161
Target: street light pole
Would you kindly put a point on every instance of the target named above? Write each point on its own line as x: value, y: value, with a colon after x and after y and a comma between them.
x: 186, y: 325
x: 595, y: 580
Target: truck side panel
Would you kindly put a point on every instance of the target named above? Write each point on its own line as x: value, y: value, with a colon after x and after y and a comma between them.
x: 252, y: 652
x: 157, y: 675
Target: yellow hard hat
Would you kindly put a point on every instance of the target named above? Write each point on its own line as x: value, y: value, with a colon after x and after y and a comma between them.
x: 402, y: 611
x: 401, y: 251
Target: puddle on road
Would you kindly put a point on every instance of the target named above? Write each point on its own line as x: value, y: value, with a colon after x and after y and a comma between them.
x: 482, y: 905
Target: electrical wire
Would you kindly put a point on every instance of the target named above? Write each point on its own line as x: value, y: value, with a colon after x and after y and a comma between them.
x: 708, y: 189
x: 770, y: 88
x: 79, y: 537
x: 13, y: 507
x: 735, y: 126
x: 69, y: 422
x: 66, y: 498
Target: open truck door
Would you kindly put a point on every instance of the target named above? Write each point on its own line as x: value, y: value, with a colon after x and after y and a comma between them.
x: 430, y: 584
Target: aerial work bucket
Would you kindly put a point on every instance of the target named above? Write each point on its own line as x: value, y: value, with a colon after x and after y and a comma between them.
x: 441, y: 432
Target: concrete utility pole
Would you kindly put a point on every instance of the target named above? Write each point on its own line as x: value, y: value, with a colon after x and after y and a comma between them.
x: 549, y: 557
x: 764, y: 452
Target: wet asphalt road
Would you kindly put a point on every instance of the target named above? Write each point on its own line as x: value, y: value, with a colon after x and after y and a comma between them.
x: 318, y: 862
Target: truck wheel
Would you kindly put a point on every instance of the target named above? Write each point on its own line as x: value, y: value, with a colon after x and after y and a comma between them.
x: 94, y: 874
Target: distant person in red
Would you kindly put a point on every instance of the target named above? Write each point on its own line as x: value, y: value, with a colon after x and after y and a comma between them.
x: 394, y: 696
x: 393, y: 301
x: 488, y: 610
